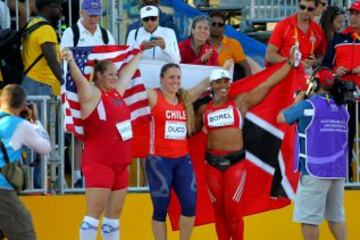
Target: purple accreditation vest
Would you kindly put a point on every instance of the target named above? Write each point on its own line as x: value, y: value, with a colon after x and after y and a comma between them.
x: 326, y: 143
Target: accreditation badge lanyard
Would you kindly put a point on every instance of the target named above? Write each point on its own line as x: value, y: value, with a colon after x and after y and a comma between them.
x: 312, y: 40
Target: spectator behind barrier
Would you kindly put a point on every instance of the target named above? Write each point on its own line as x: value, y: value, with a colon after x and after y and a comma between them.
x: 89, y: 33
x: 16, y: 132
x: 322, y: 156
x: 159, y: 42
x: 301, y: 30
x: 229, y: 49
x: 332, y: 21
x: 166, y: 20
x: 196, y: 49
x: 44, y: 78
x: 344, y: 59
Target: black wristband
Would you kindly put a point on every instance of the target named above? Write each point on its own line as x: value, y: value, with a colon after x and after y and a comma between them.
x: 291, y: 64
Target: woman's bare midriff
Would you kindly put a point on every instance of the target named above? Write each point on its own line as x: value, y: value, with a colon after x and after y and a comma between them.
x: 229, y: 139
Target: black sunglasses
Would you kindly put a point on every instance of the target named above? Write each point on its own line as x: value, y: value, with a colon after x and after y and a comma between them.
x: 309, y: 9
x: 323, y: 3
x: 217, y: 24
x: 146, y: 19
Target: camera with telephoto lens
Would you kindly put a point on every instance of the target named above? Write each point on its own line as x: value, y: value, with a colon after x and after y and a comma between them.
x: 345, y: 92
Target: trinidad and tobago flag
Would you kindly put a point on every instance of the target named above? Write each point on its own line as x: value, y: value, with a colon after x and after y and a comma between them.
x: 269, y: 153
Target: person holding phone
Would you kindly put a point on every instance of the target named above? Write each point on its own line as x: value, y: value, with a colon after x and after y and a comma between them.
x: 158, y: 42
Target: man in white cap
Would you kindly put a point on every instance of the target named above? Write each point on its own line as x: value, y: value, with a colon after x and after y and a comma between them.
x: 159, y: 42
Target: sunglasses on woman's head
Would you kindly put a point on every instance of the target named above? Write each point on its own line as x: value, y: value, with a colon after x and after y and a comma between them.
x: 146, y: 19
x: 309, y: 9
x: 217, y: 24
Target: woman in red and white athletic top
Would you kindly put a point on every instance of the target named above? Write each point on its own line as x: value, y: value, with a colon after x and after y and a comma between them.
x: 223, y: 119
x: 107, y: 137
x: 168, y: 165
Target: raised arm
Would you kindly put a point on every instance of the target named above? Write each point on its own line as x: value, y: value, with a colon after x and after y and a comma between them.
x: 196, y: 91
x: 127, y: 72
x: 247, y: 100
x: 86, y: 90
x: 152, y: 96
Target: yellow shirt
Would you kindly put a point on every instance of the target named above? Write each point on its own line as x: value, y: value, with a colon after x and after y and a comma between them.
x: 41, y: 72
x: 230, y: 49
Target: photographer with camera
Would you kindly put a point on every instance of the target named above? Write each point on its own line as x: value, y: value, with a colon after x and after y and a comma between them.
x: 342, y: 56
x: 322, y: 144
x: 16, y: 132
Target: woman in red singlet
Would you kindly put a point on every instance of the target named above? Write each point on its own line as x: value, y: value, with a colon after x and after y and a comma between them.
x: 225, y: 173
x: 168, y: 165
x: 107, y: 138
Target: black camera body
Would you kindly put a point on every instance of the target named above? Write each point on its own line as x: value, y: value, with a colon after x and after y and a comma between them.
x: 27, y: 113
x: 344, y: 92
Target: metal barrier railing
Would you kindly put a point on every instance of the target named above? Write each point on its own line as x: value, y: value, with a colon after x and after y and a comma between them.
x: 115, y: 18
x: 356, y: 150
x: 42, y: 175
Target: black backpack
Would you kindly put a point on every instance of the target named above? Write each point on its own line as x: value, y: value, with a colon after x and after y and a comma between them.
x: 11, y: 65
x: 76, y: 32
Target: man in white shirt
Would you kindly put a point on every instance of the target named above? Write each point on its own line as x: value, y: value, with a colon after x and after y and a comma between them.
x: 86, y: 32
x: 89, y: 31
x: 160, y: 42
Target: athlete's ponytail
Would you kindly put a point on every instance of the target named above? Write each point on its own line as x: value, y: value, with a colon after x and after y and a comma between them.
x: 184, y: 97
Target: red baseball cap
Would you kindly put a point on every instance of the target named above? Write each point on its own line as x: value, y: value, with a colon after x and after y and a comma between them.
x: 355, y: 6
x: 326, y: 78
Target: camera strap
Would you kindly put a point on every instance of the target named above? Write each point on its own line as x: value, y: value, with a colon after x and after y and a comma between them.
x: 4, y: 152
x: 2, y: 146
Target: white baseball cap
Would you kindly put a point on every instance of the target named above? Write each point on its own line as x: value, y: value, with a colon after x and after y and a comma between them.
x: 149, y: 11
x: 219, y: 74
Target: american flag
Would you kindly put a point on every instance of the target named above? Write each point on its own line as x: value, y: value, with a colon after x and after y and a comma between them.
x: 135, y: 96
